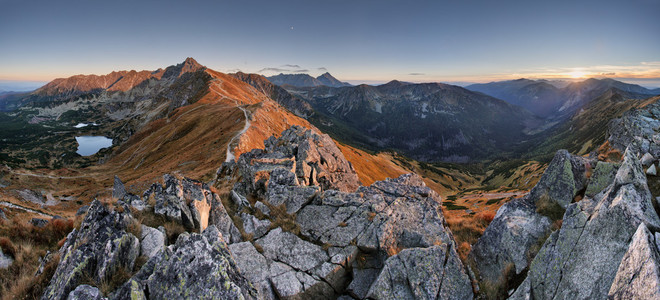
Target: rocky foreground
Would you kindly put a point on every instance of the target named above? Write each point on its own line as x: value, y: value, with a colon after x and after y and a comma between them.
x: 292, y: 221
x: 588, y: 230
x: 296, y: 225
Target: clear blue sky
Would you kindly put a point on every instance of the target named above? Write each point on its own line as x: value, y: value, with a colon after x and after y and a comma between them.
x: 355, y: 40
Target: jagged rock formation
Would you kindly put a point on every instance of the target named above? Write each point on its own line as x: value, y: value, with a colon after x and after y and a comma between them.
x: 197, y: 265
x: 605, y: 245
x: 579, y: 261
x: 302, y: 227
x: 97, y: 250
x: 326, y: 241
x: 520, y: 224
x: 638, y: 276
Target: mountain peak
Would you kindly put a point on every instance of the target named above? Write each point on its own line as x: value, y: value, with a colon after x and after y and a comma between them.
x: 191, y: 65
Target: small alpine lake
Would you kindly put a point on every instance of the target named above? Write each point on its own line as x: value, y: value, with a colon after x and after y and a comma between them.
x: 89, y: 145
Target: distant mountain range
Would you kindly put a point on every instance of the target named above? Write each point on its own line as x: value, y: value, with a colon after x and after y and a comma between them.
x: 305, y: 80
x: 430, y: 121
x: 550, y: 101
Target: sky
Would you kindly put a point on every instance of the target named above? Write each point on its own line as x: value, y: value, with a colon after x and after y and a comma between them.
x: 357, y: 41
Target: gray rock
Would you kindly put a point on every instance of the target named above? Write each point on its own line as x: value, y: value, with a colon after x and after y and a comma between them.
x: 638, y: 276
x: 199, y: 266
x: 602, y: 177
x: 118, y: 189
x: 85, y: 292
x: 132, y: 289
x: 565, y: 176
x: 262, y: 208
x: 306, y: 174
x: 518, y: 230
x: 514, y: 231
x: 423, y: 273
x: 219, y: 217
x: 254, y: 266
x: 252, y: 225
x: 152, y: 241
x: 96, y: 250
x: 580, y: 260
x: 647, y: 159
x: 362, y: 281
x: 82, y: 210
x: 286, y: 247
x: 293, y: 198
x: 39, y: 222
x: 119, y: 252
x: 651, y: 170
x: 5, y: 260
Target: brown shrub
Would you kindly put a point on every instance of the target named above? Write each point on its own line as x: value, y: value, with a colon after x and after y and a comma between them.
x: 7, y: 246
x: 135, y: 227
x: 280, y: 218
x: 487, y: 216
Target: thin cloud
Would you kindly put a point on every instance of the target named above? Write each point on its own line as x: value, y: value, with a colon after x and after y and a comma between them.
x: 276, y: 70
x: 322, y: 69
x: 301, y: 71
x: 416, y: 74
x: 291, y: 66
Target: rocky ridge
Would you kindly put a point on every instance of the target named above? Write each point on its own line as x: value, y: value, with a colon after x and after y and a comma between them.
x: 296, y: 224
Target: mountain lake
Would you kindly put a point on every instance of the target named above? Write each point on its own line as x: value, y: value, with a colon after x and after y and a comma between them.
x: 89, y: 145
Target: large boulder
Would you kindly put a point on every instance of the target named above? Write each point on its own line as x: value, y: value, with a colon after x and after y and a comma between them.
x: 580, y: 260
x: 521, y: 226
x: 423, y: 273
x: 199, y: 266
x: 638, y: 276
x: 96, y: 250
x: 152, y: 241
x: 516, y: 229
x: 85, y: 292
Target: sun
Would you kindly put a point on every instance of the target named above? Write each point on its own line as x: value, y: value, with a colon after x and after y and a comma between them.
x: 577, y: 74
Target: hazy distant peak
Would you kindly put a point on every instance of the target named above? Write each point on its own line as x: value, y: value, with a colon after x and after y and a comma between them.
x: 305, y: 80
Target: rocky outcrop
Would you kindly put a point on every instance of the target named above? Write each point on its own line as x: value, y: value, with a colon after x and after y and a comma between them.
x: 85, y: 292
x: 323, y: 241
x: 301, y: 227
x: 314, y: 159
x: 580, y: 260
x: 638, y: 276
x: 521, y: 226
x: 197, y: 265
x: 96, y: 251
x: 422, y: 273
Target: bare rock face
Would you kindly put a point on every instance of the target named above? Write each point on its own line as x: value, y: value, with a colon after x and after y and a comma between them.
x: 199, y: 266
x: 422, y: 273
x: 580, y: 260
x: 97, y: 250
x: 85, y: 292
x: 324, y: 242
x: 520, y: 225
x: 315, y: 159
x: 638, y: 276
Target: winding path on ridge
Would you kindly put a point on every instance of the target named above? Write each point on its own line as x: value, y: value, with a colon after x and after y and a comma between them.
x: 230, y: 153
